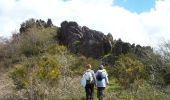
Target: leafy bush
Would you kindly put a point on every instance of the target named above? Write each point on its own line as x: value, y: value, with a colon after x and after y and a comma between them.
x: 57, y: 49
x: 48, y: 68
x: 20, y: 76
x: 128, y: 68
x: 49, y: 75
x: 34, y: 41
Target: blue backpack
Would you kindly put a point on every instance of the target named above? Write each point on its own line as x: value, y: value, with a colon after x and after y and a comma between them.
x: 99, y: 76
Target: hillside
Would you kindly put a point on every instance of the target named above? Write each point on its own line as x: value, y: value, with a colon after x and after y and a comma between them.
x: 46, y: 62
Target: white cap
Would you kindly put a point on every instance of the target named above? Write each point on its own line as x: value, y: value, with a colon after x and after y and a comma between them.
x: 101, y: 67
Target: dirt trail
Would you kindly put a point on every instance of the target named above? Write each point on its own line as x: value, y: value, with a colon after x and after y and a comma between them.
x: 6, y: 86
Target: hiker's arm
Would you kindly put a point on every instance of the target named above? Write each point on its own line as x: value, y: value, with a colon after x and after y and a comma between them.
x: 107, y: 80
x: 94, y: 77
x: 105, y: 72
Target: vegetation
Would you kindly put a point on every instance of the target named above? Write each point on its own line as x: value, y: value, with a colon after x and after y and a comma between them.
x: 128, y: 70
x: 45, y: 70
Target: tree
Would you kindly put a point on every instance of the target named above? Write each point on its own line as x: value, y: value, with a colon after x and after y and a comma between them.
x: 164, y: 51
x: 49, y: 23
x: 27, y: 24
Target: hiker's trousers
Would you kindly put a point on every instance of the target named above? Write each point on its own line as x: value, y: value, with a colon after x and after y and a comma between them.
x: 89, y: 91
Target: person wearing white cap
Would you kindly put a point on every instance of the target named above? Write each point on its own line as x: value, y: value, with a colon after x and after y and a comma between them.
x: 102, y: 81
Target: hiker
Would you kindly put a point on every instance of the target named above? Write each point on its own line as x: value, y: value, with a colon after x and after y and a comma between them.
x: 88, y: 82
x: 102, y: 81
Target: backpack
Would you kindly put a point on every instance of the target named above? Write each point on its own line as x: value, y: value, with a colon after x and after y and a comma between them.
x: 99, y: 76
x: 88, y: 77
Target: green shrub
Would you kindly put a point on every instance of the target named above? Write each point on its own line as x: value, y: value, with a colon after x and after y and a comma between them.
x: 57, y: 49
x: 127, y: 69
x: 19, y: 75
x: 48, y: 68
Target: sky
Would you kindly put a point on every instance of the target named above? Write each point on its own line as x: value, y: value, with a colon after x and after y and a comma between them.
x: 144, y: 22
x: 137, y: 6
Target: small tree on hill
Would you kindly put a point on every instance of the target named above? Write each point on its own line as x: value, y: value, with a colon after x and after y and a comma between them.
x: 49, y: 23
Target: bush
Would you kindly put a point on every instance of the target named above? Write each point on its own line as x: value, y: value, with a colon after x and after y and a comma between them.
x: 20, y: 76
x: 35, y: 42
x: 48, y: 68
x: 128, y: 68
x: 48, y: 76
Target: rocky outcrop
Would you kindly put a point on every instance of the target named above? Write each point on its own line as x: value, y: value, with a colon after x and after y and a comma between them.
x: 121, y: 48
x: 92, y: 43
x: 88, y: 42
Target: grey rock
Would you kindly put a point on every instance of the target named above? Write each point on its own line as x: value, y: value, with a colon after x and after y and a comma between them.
x: 83, y: 40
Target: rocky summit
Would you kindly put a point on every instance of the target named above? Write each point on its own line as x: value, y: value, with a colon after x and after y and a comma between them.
x: 83, y: 40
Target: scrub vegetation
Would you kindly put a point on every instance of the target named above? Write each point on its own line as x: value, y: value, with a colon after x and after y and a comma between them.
x: 38, y: 66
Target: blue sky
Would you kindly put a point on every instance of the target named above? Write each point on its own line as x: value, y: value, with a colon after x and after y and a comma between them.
x: 142, y: 22
x: 137, y: 6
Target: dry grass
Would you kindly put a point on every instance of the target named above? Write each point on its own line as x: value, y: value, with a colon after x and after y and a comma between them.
x: 6, y: 86
x: 67, y: 88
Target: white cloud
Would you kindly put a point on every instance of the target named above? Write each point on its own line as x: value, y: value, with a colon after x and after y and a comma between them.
x: 156, y: 22
x: 101, y: 15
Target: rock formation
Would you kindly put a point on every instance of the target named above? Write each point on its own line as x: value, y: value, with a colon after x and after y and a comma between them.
x: 83, y: 40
